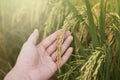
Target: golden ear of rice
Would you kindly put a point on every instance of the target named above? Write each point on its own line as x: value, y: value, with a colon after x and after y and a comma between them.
x: 59, y: 45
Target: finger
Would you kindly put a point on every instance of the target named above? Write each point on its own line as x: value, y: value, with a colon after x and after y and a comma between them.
x: 33, y: 37
x: 65, y: 45
x: 50, y: 39
x: 53, y: 46
x: 66, y: 56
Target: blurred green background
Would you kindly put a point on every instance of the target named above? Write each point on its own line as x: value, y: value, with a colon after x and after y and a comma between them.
x: 18, y: 18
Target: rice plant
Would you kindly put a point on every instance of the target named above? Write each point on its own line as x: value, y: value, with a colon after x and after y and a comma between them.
x: 96, y: 46
x: 95, y: 26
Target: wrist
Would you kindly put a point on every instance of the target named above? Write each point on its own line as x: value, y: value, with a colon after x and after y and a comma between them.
x: 17, y: 74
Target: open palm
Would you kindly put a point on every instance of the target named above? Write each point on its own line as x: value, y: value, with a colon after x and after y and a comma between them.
x: 38, y: 62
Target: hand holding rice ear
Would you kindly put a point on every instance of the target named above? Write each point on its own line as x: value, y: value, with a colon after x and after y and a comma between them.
x: 39, y: 62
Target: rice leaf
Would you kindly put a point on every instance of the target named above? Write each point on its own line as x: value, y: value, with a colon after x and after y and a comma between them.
x: 91, y: 24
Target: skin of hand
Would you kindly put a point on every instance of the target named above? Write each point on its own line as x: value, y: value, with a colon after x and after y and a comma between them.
x: 38, y: 62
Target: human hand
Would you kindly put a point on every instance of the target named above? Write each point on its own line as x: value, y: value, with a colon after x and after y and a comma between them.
x: 38, y: 62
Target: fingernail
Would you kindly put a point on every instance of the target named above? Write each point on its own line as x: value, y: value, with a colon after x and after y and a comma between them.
x: 35, y: 30
x: 71, y: 49
x: 69, y: 32
x: 71, y: 37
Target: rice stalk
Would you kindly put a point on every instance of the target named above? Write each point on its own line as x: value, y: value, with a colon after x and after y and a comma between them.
x: 18, y: 16
x: 56, y: 18
x: 118, y: 1
x: 99, y: 62
x: 60, y: 40
x: 88, y: 68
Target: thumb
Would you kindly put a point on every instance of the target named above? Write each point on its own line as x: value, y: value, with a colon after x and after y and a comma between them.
x: 33, y: 37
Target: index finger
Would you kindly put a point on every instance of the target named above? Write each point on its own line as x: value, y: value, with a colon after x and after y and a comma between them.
x: 50, y: 39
